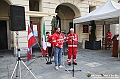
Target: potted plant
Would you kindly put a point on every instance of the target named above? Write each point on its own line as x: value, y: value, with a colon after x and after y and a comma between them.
x: 92, y: 43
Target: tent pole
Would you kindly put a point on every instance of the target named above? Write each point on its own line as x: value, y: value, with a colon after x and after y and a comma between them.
x: 119, y: 32
x: 104, y: 29
x: 119, y: 37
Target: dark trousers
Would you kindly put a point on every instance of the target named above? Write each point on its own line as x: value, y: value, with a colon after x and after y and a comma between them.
x: 50, y: 51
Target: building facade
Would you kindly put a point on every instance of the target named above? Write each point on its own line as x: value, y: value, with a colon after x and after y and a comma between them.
x: 39, y: 11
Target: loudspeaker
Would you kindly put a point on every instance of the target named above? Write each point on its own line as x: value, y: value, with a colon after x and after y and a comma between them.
x: 16, y: 18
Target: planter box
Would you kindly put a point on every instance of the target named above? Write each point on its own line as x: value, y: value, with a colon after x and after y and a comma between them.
x: 93, y: 45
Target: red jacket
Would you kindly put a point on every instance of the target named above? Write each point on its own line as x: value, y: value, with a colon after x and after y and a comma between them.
x: 57, y: 40
x: 109, y: 34
x: 72, y: 40
x: 49, y: 38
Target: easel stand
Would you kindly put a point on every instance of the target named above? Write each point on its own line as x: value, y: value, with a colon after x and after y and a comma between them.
x: 18, y: 64
x: 73, y: 70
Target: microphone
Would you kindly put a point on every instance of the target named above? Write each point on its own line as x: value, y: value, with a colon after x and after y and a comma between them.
x: 72, y: 37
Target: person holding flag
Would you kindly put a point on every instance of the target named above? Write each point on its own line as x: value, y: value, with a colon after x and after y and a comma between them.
x: 31, y: 42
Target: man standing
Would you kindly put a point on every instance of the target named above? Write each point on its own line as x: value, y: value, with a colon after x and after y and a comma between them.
x: 109, y: 36
x: 57, y: 42
x: 72, y: 41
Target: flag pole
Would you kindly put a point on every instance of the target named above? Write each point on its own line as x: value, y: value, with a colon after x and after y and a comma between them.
x: 40, y: 47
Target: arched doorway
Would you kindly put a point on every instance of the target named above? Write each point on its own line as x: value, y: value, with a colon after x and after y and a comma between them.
x: 66, y: 12
x: 4, y: 25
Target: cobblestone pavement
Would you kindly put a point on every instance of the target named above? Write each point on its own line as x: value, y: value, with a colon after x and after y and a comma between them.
x: 98, y: 63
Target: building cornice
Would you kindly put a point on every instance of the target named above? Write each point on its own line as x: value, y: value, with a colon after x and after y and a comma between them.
x: 39, y: 14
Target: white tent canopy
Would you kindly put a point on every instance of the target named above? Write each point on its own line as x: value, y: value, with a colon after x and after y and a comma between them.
x: 108, y: 13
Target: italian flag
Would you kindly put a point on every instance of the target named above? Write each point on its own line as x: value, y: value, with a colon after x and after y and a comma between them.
x: 44, y: 44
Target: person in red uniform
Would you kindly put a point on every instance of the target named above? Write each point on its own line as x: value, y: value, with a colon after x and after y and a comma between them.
x: 72, y: 41
x: 57, y: 42
x: 49, y: 47
x: 109, y: 36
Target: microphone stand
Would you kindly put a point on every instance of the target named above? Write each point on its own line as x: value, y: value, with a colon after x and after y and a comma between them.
x: 73, y: 70
x: 63, y: 59
x: 17, y: 67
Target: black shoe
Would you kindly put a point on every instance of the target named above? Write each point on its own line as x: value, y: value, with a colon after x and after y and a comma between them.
x: 75, y: 63
x: 69, y: 64
x: 49, y: 63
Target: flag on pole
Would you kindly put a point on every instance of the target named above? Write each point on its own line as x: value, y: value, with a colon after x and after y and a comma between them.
x: 58, y: 25
x: 44, y: 44
x: 31, y: 42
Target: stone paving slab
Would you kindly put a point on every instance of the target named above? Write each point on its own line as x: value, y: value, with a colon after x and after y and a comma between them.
x: 96, y: 62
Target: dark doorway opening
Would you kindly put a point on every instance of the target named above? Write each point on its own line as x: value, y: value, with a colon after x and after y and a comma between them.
x: 71, y: 26
x: 3, y: 35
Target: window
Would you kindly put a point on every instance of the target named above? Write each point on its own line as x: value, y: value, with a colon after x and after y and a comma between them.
x: 85, y: 28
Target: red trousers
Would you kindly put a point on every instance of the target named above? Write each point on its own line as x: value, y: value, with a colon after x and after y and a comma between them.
x: 109, y: 40
x: 72, y: 52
